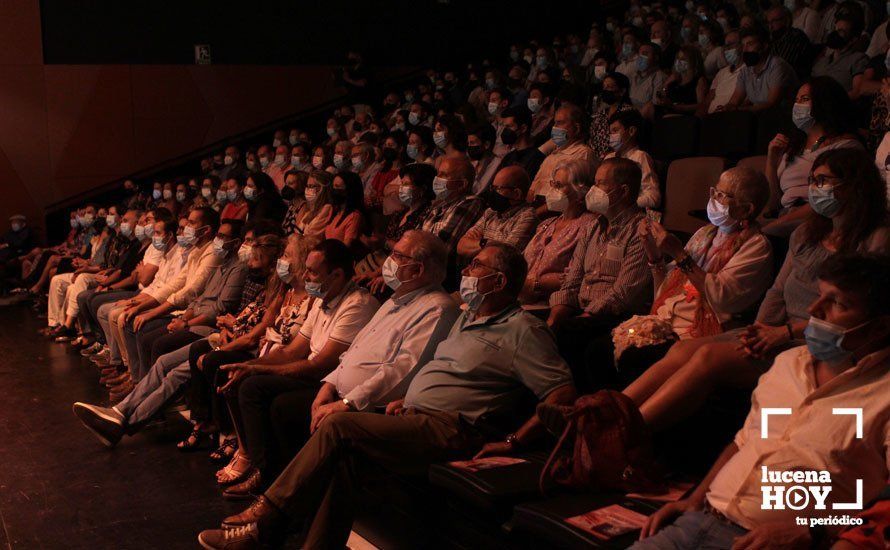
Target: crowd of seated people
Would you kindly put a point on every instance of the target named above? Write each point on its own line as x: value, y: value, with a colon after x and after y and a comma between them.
x: 389, y: 287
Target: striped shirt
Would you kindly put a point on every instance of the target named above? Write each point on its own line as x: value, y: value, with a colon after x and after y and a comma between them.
x: 449, y: 219
x: 608, y: 273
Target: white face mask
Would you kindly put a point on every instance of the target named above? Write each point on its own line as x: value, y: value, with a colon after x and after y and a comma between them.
x: 244, y: 252
x: 557, y: 201
x: 229, y: 160
x: 311, y: 195
x: 599, y: 71
x: 597, y: 201
x: 390, y: 270
x: 318, y: 162
x: 206, y: 192
x: 718, y: 214
x: 280, y: 160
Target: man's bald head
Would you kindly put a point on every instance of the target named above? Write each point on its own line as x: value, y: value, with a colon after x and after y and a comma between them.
x: 513, y: 176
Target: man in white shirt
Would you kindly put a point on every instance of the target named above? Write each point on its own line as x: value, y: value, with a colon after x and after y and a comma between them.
x: 625, y: 128
x: 725, y: 82
x: 795, y: 427
x: 173, y: 259
x: 268, y: 387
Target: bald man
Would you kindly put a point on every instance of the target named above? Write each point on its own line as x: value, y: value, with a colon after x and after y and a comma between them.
x: 508, y: 219
x: 454, y: 210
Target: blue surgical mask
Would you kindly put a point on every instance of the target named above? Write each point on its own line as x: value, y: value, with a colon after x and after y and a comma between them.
x: 158, y: 242
x: 469, y: 291
x: 412, y: 151
x: 801, y: 115
x: 222, y: 195
x: 732, y: 56
x: 704, y: 40
x: 358, y: 163
x: 231, y: 195
x: 111, y: 220
x: 823, y: 201
x: 615, y: 142
x: 180, y: 196
x: 339, y: 162
x: 140, y: 232
x: 440, y: 140
x: 315, y: 289
x: 627, y: 50
x: 825, y: 340
x: 149, y: 230
x: 440, y: 187
x: 560, y: 136
x: 282, y: 268
x: 188, y: 237
x: 126, y: 230
x: 542, y: 62
x: 534, y: 104
x: 156, y: 194
x: 642, y: 63
x: 249, y: 193
x: 413, y: 118
x: 681, y: 65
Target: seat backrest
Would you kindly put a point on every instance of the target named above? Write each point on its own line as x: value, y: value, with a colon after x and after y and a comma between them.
x: 769, y: 123
x: 728, y: 134
x: 675, y: 137
x: 688, y: 182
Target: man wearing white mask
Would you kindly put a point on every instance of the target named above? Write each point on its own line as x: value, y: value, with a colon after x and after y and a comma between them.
x: 232, y: 165
x: 724, y: 83
x: 608, y: 279
x: 454, y: 210
x: 469, y: 393
x: 379, y: 364
x: 281, y: 163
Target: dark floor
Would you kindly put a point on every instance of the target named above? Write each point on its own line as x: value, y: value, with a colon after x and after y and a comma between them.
x: 59, y: 487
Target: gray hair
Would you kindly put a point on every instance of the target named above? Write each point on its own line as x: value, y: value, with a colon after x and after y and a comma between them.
x: 430, y: 251
x: 580, y: 171
x: 364, y: 148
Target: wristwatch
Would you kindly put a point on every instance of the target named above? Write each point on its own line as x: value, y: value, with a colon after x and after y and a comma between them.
x: 348, y: 404
x: 512, y: 441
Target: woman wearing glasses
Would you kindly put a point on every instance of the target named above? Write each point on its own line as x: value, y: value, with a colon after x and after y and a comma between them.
x: 849, y: 213
x: 823, y: 116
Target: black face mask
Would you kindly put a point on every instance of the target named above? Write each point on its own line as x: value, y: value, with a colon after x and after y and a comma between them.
x: 514, y: 83
x: 390, y: 154
x: 609, y: 97
x: 496, y: 201
x: 509, y: 136
x: 836, y: 41
x: 475, y: 152
x: 288, y: 193
x: 338, y: 197
x: 751, y: 58
x: 357, y: 127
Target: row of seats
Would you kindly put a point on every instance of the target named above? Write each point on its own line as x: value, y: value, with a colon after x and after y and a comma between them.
x: 732, y: 134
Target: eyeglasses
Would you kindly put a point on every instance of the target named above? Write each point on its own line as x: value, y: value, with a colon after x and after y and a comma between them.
x: 476, y: 264
x: 401, y: 258
x: 822, y: 180
x: 720, y: 196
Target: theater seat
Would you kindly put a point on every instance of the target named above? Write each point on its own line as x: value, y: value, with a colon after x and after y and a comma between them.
x: 688, y: 182
x: 728, y: 134
x: 542, y: 523
x: 770, y: 123
x: 675, y: 137
x: 494, y: 488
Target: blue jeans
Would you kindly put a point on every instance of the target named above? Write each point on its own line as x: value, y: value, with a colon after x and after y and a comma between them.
x: 694, y: 530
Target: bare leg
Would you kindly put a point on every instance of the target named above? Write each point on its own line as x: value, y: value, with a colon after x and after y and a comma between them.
x: 50, y: 266
x: 655, y: 376
x: 712, y: 366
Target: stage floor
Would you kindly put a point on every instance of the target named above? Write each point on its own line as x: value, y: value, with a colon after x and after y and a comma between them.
x: 60, y: 488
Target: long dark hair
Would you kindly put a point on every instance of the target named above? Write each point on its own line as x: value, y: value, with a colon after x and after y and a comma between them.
x: 355, y: 193
x: 831, y: 109
x: 862, y: 193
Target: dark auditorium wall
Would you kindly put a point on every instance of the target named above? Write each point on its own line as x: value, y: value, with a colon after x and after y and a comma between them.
x: 65, y: 129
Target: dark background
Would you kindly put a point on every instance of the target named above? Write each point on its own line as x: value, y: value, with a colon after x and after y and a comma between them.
x: 304, y: 32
